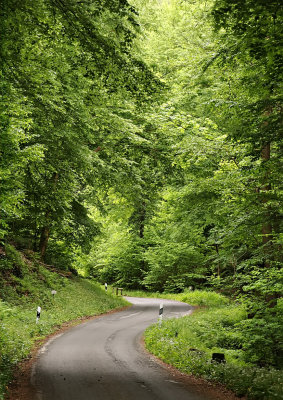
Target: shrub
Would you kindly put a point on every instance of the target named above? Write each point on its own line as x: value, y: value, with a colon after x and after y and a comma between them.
x: 203, y: 298
x: 263, y: 337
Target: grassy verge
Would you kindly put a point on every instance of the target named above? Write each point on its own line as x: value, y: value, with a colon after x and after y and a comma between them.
x: 188, y: 343
x: 194, y: 298
x: 22, y: 294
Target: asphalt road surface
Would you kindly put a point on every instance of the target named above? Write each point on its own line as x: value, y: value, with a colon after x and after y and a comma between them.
x: 103, y: 359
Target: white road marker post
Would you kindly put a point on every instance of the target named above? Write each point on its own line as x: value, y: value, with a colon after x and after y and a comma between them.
x: 38, y: 314
x: 105, y: 285
x: 160, y: 313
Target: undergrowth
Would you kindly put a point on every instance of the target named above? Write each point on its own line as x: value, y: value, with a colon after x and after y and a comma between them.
x: 188, y: 343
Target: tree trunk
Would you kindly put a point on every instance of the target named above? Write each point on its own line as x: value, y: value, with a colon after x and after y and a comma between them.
x: 218, y: 264
x: 45, y: 231
x: 44, y: 237
x: 35, y: 236
x: 142, y: 220
x: 266, y: 227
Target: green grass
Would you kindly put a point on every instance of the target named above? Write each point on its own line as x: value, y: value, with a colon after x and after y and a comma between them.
x: 188, y: 344
x: 194, y: 298
x: 75, y: 298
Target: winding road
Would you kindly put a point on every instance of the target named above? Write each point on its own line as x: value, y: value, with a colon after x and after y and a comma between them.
x: 104, y: 359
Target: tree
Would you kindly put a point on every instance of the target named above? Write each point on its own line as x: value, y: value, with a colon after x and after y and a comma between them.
x: 252, y: 34
x: 224, y: 80
x: 70, y: 64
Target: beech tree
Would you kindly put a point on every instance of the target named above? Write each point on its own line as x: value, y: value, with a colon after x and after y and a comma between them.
x: 73, y: 85
x: 212, y: 125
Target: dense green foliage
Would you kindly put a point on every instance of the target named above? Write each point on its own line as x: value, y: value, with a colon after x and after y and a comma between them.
x: 141, y: 145
x: 27, y: 284
x: 142, y: 141
x: 210, y: 212
x: 71, y: 89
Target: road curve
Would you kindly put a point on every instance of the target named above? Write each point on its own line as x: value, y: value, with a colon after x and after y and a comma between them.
x: 103, y: 359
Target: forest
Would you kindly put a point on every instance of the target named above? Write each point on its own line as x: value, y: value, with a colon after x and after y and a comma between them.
x: 141, y: 145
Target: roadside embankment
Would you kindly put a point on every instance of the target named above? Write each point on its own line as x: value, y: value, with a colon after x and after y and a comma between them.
x: 25, y: 284
x: 216, y: 327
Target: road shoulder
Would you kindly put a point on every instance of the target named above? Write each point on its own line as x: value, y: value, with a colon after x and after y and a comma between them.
x: 21, y: 387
